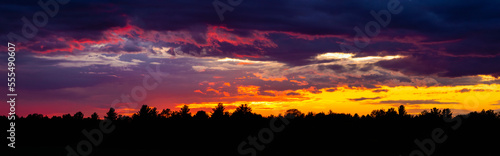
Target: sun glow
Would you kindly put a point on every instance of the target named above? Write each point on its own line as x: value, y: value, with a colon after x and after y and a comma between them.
x: 364, y: 100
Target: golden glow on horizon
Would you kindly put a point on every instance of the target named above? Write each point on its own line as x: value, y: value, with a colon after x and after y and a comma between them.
x: 461, y: 99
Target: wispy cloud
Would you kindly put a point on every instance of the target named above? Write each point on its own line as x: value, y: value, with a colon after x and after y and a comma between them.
x: 413, y: 102
x: 380, y: 90
x: 498, y: 103
x: 364, y: 98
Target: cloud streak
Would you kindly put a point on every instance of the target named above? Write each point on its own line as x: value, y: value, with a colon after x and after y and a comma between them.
x: 364, y: 98
x: 414, y: 102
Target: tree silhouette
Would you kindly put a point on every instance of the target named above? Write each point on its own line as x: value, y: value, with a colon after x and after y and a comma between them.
x: 320, y: 115
x: 124, y: 118
x: 78, y: 116
x: 219, y: 112
x: 446, y: 113
x: 377, y: 113
x: 391, y: 113
x: 201, y: 115
x: 146, y: 113
x: 35, y: 116
x: 484, y: 115
x: 111, y: 114
x: 94, y: 116
x: 242, y: 111
x: 310, y: 115
x: 56, y: 118
x: 67, y: 117
x: 433, y: 113
x: 356, y: 116
x: 343, y: 129
x: 176, y: 115
x: 166, y: 113
x: 185, y: 112
x: 402, y: 111
x: 294, y: 113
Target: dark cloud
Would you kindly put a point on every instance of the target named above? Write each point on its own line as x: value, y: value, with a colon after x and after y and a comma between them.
x: 444, y: 66
x: 331, y: 90
x: 340, y: 68
x: 465, y: 90
x: 421, y: 27
x: 455, y: 111
x: 414, y: 102
x: 482, y: 90
x: 41, y: 74
x: 127, y: 46
x: 267, y: 93
x: 380, y: 90
x: 415, y: 65
x: 363, y: 98
x: 292, y: 94
x: 316, y: 91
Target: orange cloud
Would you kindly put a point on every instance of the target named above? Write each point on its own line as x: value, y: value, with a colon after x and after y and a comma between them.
x: 212, y: 90
x: 199, y: 91
x: 244, y: 63
x: 248, y: 90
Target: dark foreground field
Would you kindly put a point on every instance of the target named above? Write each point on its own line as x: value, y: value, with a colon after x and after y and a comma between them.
x: 381, y: 133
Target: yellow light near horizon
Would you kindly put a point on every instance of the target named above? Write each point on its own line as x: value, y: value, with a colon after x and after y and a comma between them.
x: 479, y: 97
x: 460, y: 99
x: 487, y: 78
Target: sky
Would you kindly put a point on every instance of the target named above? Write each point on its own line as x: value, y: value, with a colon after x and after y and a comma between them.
x: 346, y: 56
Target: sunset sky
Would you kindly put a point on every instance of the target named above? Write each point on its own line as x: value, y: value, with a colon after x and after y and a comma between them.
x: 274, y: 55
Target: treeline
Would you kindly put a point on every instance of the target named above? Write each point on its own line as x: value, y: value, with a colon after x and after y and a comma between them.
x: 245, y: 112
x: 149, y: 131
